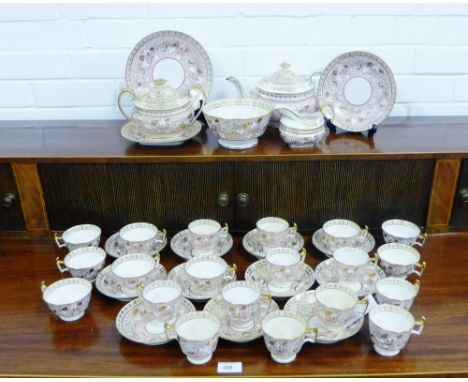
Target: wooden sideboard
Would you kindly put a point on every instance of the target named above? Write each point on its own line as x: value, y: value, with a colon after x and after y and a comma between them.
x: 58, y: 174
x: 66, y: 173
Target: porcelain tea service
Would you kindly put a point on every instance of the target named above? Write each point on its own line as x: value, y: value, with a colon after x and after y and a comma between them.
x: 283, y: 264
x: 203, y: 234
x: 160, y: 110
x: 84, y: 262
x: 402, y: 231
x: 390, y: 328
x: 67, y: 298
x: 396, y: 291
x: 273, y: 231
x: 138, y: 238
x: 302, y: 133
x: 82, y: 235
x: 400, y: 260
x: 197, y: 334
x: 349, y: 262
x: 338, y: 305
x: 162, y: 298
x: 284, y: 333
x: 343, y: 233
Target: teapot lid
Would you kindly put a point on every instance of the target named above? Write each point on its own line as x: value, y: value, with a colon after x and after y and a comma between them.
x: 285, y: 81
x: 157, y: 95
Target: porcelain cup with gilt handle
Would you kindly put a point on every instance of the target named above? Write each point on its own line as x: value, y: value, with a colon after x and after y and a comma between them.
x: 400, y: 260
x: 83, y: 235
x: 402, y: 231
x: 85, y: 262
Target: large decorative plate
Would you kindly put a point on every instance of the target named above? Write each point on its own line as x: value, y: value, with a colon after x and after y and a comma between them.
x: 169, y: 45
x: 356, y: 90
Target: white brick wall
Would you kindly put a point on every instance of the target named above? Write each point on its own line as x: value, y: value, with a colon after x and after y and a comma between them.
x: 60, y: 61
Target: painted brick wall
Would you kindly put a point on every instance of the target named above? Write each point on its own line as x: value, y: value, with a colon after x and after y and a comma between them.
x: 67, y: 61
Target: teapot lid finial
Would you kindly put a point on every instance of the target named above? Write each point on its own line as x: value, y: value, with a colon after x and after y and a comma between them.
x: 285, y: 65
x: 160, y: 81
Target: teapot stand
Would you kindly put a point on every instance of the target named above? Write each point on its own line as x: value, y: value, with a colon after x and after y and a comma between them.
x: 370, y: 133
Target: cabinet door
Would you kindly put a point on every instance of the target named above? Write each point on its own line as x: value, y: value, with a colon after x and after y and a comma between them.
x: 460, y: 206
x: 11, y: 216
x: 170, y: 195
x: 309, y: 193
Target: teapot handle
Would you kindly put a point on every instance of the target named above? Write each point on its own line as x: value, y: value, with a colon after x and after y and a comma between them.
x: 203, y: 100
x: 122, y: 92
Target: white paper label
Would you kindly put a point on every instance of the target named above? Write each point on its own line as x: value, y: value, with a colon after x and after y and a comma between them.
x: 229, y: 367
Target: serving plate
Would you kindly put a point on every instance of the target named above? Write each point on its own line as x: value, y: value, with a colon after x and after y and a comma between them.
x: 176, y: 49
x: 356, y: 91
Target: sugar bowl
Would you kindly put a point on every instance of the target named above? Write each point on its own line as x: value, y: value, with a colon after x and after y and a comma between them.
x: 160, y: 110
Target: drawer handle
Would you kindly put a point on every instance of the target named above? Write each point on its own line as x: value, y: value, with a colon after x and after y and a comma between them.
x: 464, y: 195
x: 9, y: 200
x: 223, y: 199
x: 243, y: 199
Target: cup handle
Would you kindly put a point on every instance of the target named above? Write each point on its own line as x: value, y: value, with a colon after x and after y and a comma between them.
x: 266, y: 298
x: 421, y: 266
x: 157, y: 257
x: 303, y: 254
x: 418, y: 326
x: 225, y: 229
x: 43, y: 286
x: 195, y: 101
x: 170, y: 331
x: 59, y: 265
x: 417, y: 284
x: 311, y: 335
x: 231, y: 272
x: 374, y: 259
x: 57, y: 239
x: 122, y: 92
x: 293, y: 229
x: 423, y: 237
x: 140, y: 289
x: 364, y: 302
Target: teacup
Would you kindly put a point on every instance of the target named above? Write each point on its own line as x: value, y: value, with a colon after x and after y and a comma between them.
x: 83, y: 235
x: 337, y: 305
x: 273, y: 231
x: 282, y: 264
x: 391, y: 327
x: 348, y: 261
x: 400, y: 260
x: 343, y: 233
x: 284, y: 333
x: 197, y: 333
x: 203, y: 235
x: 67, y: 298
x: 84, y: 262
x: 396, y: 291
x: 134, y: 269
x: 208, y: 273
x: 162, y: 297
x: 242, y: 301
x: 138, y: 238
x: 402, y: 231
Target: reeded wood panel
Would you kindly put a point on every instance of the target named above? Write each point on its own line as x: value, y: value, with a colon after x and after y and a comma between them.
x: 11, y: 218
x: 309, y: 193
x: 460, y: 208
x: 169, y: 195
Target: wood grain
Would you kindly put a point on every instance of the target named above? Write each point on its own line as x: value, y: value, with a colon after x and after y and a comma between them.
x: 32, y: 197
x: 100, y: 141
x: 444, y: 186
x: 34, y: 343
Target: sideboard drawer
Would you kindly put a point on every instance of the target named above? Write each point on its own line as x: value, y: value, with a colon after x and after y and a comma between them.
x: 169, y: 195
x: 11, y: 216
x: 309, y: 193
x: 460, y: 207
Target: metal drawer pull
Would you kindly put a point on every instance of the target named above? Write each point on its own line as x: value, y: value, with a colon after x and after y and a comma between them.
x: 464, y: 195
x: 9, y: 200
x: 243, y: 199
x: 223, y: 199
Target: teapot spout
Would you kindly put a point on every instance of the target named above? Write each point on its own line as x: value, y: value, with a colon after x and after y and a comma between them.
x: 240, y: 89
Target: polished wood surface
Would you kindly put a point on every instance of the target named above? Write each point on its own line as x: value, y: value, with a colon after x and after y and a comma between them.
x: 100, y: 141
x: 33, y: 342
x: 460, y: 207
x: 31, y: 196
x: 444, y: 186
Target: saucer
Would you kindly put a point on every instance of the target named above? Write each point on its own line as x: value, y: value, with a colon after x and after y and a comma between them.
x: 111, y: 244
x: 215, y: 306
x: 304, y: 279
x: 320, y: 242
x: 325, y: 273
x: 179, y: 275
x: 133, y: 133
x: 181, y: 246
x: 110, y: 288
x: 304, y: 304
x: 134, y: 324
x: 254, y: 247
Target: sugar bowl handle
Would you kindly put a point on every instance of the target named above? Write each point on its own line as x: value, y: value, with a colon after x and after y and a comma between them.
x: 122, y: 92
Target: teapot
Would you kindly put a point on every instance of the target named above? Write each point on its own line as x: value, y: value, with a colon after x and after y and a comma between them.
x: 284, y: 88
x: 161, y: 110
